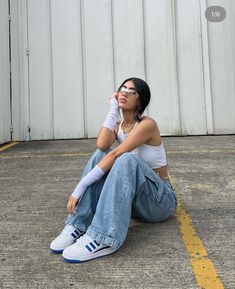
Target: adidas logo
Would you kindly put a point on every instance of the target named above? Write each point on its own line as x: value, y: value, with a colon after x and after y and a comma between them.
x: 94, y: 247
x: 76, y: 234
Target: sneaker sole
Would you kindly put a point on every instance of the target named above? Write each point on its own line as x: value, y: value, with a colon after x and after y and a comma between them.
x: 96, y: 255
x: 56, y: 251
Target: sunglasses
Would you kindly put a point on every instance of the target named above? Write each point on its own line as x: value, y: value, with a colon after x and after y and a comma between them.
x: 128, y: 90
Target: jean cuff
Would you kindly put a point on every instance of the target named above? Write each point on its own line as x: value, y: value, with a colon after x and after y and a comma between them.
x: 101, y: 238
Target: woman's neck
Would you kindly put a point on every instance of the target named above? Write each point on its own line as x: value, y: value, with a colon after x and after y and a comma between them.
x: 129, y: 118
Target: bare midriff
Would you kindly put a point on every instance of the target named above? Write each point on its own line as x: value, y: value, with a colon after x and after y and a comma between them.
x: 162, y: 171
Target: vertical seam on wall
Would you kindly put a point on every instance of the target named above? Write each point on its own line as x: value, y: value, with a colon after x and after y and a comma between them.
x: 206, y: 74
x: 202, y: 63
x: 174, y: 30
x: 28, y: 72
x: 211, y: 98
x: 52, y: 78
x: 10, y: 66
x: 83, y: 48
x: 16, y: 36
x: 22, y: 21
x: 144, y: 46
x: 112, y: 39
x: 20, y: 6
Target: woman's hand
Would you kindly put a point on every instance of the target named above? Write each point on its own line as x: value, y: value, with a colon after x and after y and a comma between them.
x: 115, y: 95
x: 113, y: 100
x: 72, y: 205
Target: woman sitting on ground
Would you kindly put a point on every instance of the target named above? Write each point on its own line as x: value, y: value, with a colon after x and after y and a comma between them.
x: 128, y: 181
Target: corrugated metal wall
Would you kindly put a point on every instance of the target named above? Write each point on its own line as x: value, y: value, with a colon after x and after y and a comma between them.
x: 69, y: 57
x: 5, y: 113
x: 222, y: 69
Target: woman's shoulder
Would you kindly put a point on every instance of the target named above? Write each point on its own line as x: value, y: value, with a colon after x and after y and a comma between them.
x: 152, y: 125
x: 148, y: 120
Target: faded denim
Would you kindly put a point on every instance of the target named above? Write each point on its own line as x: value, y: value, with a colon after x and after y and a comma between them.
x: 130, y: 189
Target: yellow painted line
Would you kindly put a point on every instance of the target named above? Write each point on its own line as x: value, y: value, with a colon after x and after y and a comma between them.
x: 203, y: 268
x: 43, y: 156
x: 5, y: 147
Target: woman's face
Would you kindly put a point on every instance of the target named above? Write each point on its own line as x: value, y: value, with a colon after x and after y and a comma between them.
x: 128, y: 96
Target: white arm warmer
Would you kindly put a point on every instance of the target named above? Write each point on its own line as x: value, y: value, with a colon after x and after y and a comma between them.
x: 113, y: 115
x: 93, y: 176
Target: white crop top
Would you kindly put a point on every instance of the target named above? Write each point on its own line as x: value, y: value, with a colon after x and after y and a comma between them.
x: 154, y: 156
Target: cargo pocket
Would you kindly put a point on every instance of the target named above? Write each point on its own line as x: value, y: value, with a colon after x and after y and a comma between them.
x: 158, y: 206
x: 156, y: 186
x: 171, y: 192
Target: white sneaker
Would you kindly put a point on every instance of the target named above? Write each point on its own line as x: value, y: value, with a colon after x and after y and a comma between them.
x: 67, y: 237
x: 86, y: 249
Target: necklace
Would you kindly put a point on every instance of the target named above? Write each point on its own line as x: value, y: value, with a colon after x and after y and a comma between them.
x: 126, y: 128
x: 127, y: 125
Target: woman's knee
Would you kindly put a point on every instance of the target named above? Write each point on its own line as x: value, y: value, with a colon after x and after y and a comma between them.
x: 126, y: 159
x: 101, y: 153
x: 97, y: 157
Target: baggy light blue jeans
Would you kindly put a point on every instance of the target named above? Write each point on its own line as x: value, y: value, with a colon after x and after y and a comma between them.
x: 130, y: 189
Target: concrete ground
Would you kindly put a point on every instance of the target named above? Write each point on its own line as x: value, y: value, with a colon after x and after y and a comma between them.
x: 36, y: 179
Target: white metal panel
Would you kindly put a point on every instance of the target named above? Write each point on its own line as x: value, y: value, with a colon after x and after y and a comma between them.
x: 19, y: 67
x: 40, y: 77
x: 67, y: 71
x: 206, y: 69
x: 128, y: 37
x: 80, y: 51
x: 16, y: 74
x: 161, y: 64
x: 98, y: 61
x: 222, y: 61
x: 190, y: 68
x: 5, y: 113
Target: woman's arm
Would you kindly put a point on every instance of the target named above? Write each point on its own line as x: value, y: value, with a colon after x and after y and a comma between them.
x: 107, y: 134
x: 105, y: 138
x: 140, y: 135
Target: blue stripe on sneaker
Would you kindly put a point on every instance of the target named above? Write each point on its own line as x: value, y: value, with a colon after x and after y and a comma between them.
x: 88, y: 248
x: 96, y: 243
x: 74, y: 235
x: 103, y: 248
x: 92, y: 245
x: 76, y: 232
x: 57, y: 251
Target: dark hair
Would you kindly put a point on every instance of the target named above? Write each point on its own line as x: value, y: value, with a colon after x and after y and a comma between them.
x: 144, y: 93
